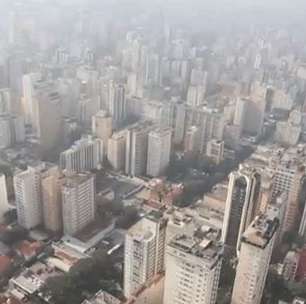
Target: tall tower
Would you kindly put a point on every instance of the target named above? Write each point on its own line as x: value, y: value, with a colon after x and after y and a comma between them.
x: 144, y: 252
x: 136, y: 149
x: 241, y: 205
x: 52, y: 199
x: 28, y: 198
x: 4, y: 206
x: 116, y: 150
x: 78, y: 197
x: 117, y: 104
x: 255, y: 255
x: 193, y: 265
x: 102, y: 127
x: 159, y: 150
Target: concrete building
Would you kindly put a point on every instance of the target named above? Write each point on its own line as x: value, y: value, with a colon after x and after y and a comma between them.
x: 116, y: 150
x: 193, y: 265
x: 192, y: 140
x: 159, y: 151
x: 241, y: 205
x: 84, y: 155
x: 27, y: 185
x: 78, y: 198
x: 256, y: 250
x: 52, y: 199
x: 215, y: 150
x: 137, y: 149
x: 12, y: 130
x: 117, y: 104
x: 4, y: 206
x: 102, y: 128
x: 144, y: 252
x: 289, y: 172
x: 290, y: 265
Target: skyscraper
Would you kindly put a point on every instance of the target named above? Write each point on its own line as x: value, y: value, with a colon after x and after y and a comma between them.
x: 27, y: 187
x: 159, y: 150
x: 52, y: 199
x: 117, y: 104
x: 193, y: 265
x: 4, y: 206
x: 102, y: 128
x: 136, y: 149
x: 78, y: 198
x: 84, y: 155
x: 241, y: 205
x: 144, y: 252
x: 12, y: 130
x: 116, y: 150
x: 256, y: 250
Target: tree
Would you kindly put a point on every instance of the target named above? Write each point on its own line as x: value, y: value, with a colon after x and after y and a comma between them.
x: 13, y: 235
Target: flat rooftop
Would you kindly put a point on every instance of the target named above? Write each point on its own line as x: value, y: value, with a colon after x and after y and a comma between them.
x: 261, y: 230
x: 203, y: 244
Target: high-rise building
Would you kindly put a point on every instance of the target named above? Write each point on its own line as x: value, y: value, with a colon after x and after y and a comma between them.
x: 256, y: 250
x: 12, y: 130
x: 4, y: 206
x: 27, y: 187
x: 240, y: 113
x: 215, y: 150
x: 192, y: 140
x: 78, y: 199
x: 52, y: 199
x: 144, y: 252
x: 117, y: 104
x: 193, y: 265
x: 84, y: 155
x: 116, y: 150
x: 289, y: 172
x: 136, y: 149
x: 102, y: 128
x: 159, y: 150
x: 29, y: 83
x: 241, y: 205
x: 47, y: 122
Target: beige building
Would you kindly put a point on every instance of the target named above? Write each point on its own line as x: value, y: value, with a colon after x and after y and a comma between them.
x: 102, y: 127
x: 193, y: 264
x: 116, y: 150
x: 256, y: 250
x: 215, y: 150
x: 78, y: 197
x: 52, y: 199
x: 144, y: 253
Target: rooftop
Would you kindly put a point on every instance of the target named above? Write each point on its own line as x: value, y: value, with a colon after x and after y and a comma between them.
x: 261, y: 230
x: 204, y: 243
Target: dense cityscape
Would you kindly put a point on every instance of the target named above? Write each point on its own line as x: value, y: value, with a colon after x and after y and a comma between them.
x: 152, y: 152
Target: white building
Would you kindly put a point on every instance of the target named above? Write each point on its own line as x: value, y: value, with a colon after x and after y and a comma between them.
x: 159, y: 150
x: 4, y: 206
x: 85, y: 154
x: 215, y: 150
x: 256, y: 249
x: 27, y: 187
x: 136, y: 149
x: 116, y: 150
x: 78, y: 199
x: 144, y: 252
x: 193, y: 264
